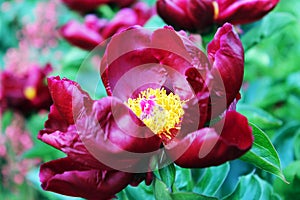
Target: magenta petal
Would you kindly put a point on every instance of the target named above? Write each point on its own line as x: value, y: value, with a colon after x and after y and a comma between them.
x: 208, y: 147
x: 70, y: 178
x: 243, y: 11
x: 227, y: 56
x: 80, y: 35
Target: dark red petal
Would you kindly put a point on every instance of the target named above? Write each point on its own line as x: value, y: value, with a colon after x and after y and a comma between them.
x: 201, y: 13
x: 85, y: 5
x: 80, y: 35
x: 67, y: 96
x: 158, y: 59
x: 227, y: 56
x: 114, y: 135
x: 105, y: 128
x: 127, y: 51
x: 243, y: 11
x: 124, y: 3
x: 14, y: 85
x: 175, y: 14
x: 70, y: 178
x: 213, y: 146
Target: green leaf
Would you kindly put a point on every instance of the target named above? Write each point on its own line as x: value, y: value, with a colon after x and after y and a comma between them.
x: 160, y: 190
x: 155, y: 22
x: 252, y: 187
x: 291, y: 190
x: 271, y: 24
x: 263, y: 154
x: 283, y: 140
x: 106, y: 11
x: 212, y: 179
x: 297, y: 145
x: 150, y: 2
x: 190, y: 196
x: 183, y: 180
x: 43, y: 151
x: 259, y: 117
x: 168, y: 174
x: 5, y: 120
x: 141, y: 192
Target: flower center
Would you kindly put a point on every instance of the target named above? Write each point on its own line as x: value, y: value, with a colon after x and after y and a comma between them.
x: 159, y: 111
x: 30, y: 93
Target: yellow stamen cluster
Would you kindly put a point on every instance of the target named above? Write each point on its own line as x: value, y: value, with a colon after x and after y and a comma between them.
x: 164, y: 111
x: 30, y: 92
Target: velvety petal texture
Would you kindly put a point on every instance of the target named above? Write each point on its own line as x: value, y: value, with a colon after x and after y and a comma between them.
x: 226, y: 55
x: 227, y: 140
x: 79, y: 126
x: 25, y: 92
x: 68, y: 177
x: 243, y: 11
x: 85, y: 130
x: 200, y: 15
x: 188, y: 15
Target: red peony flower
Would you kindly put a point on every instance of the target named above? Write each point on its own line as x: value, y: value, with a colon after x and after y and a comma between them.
x: 90, y: 5
x: 200, y: 15
x: 80, y: 173
x: 176, y: 91
x: 26, y: 92
x: 168, y: 102
x: 88, y: 35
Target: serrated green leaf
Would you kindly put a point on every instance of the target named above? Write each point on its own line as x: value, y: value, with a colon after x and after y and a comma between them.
x: 263, y: 154
x: 168, y: 174
x: 190, y: 196
x: 271, y: 24
x: 291, y: 190
x: 212, y: 179
x: 252, y: 187
x: 160, y: 190
x: 259, y: 117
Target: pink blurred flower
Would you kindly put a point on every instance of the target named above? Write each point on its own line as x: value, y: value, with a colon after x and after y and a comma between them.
x: 90, y: 5
x: 94, y: 30
x: 15, y: 141
x: 26, y: 92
